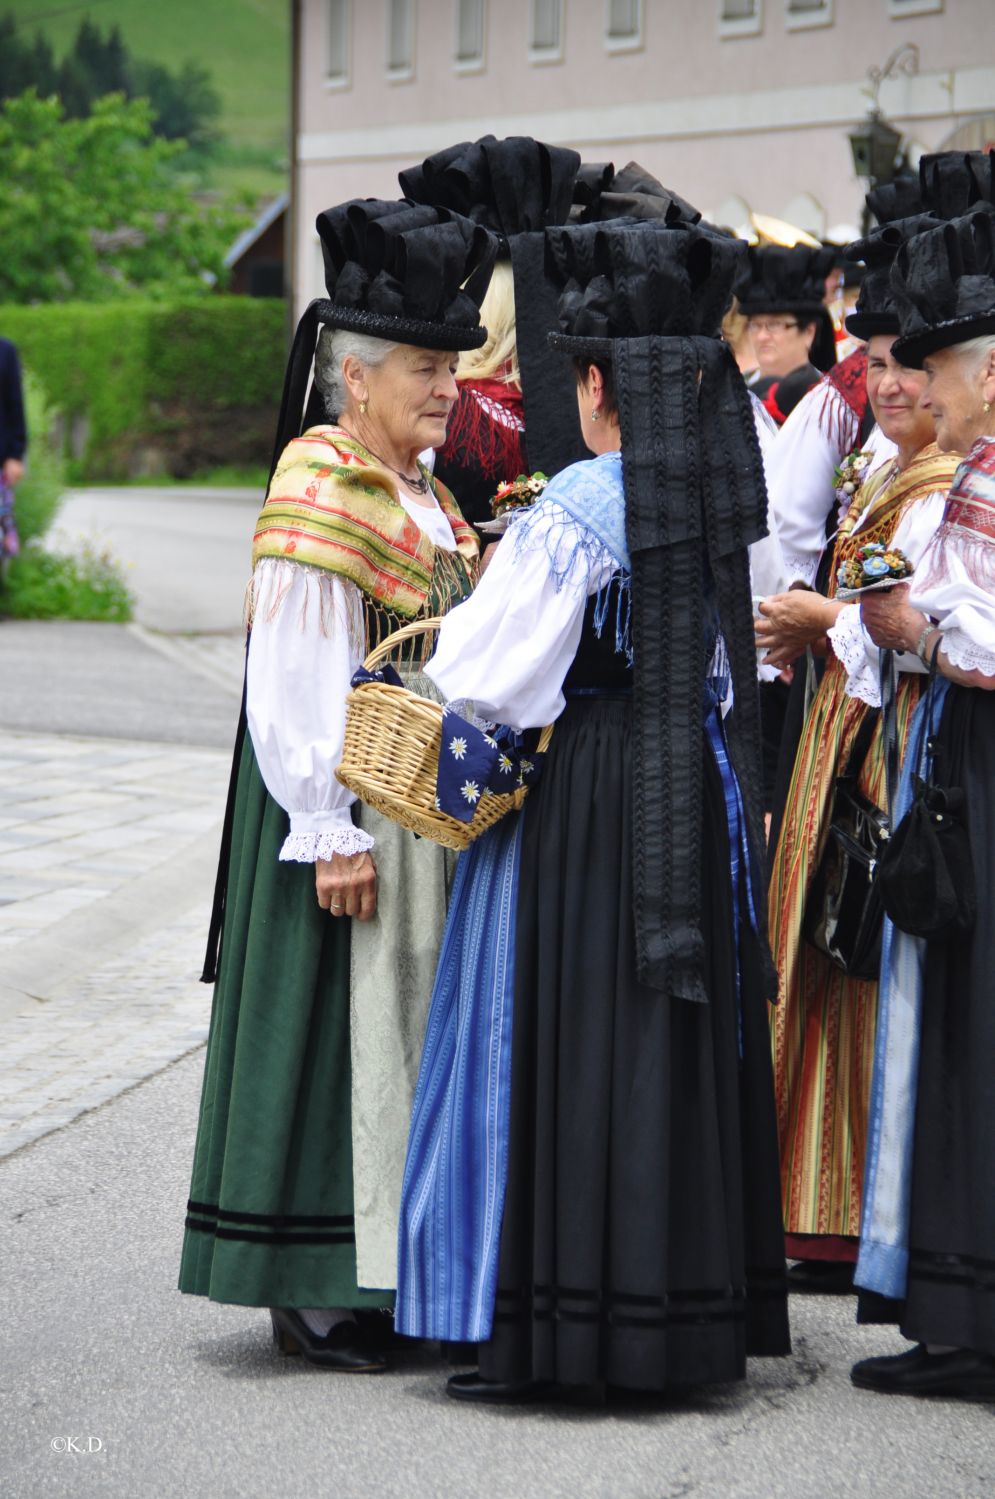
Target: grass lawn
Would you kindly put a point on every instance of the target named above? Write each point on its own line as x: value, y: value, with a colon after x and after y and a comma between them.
x: 245, y: 44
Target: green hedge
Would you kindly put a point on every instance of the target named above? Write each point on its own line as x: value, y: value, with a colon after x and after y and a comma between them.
x: 157, y: 387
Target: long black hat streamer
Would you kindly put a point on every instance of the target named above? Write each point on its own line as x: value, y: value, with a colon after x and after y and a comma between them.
x: 695, y: 499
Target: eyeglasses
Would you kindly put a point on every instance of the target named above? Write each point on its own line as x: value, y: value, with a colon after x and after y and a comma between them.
x: 773, y: 325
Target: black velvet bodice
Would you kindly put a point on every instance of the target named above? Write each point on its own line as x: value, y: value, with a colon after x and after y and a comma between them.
x: 597, y: 664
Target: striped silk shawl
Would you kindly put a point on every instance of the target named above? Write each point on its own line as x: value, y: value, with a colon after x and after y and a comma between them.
x: 331, y: 505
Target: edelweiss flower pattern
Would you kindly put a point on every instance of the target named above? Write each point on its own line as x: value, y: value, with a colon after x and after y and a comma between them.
x: 475, y: 762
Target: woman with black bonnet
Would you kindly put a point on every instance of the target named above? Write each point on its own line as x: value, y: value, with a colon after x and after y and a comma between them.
x: 591, y: 1191
x: 782, y: 296
x: 515, y: 411
x: 329, y: 918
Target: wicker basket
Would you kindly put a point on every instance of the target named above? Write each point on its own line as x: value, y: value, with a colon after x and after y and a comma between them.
x: 390, y: 758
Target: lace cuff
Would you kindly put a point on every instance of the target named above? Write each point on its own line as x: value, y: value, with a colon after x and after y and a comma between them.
x: 305, y: 848
x: 962, y: 652
x: 799, y: 567
x: 849, y: 644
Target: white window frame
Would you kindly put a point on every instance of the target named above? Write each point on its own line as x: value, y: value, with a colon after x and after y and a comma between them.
x: 742, y: 26
x: 899, y: 9
x: 808, y: 20
x: 344, y: 79
x: 406, y: 72
x: 470, y: 64
x: 634, y: 41
x: 540, y: 55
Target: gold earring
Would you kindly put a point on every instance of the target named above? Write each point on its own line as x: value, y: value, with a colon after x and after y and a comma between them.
x: 988, y: 407
x: 362, y: 408
x: 595, y: 415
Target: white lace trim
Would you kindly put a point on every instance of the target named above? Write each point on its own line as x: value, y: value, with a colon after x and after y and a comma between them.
x: 850, y: 647
x: 305, y: 848
x: 961, y: 651
x: 799, y: 567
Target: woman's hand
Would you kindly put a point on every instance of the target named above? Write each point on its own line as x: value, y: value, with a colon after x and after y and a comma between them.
x: 487, y: 556
x: 889, y: 621
x: 347, y: 885
x: 790, y: 621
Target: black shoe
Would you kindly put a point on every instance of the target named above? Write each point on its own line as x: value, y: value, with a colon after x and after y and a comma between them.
x: 377, y: 1325
x: 962, y: 1375
x: 487, y: 1392
x: 822, y: 1277
x: 346, y: 1349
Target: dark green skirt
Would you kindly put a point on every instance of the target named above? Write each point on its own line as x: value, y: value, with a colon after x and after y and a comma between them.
x: 270, y: 1217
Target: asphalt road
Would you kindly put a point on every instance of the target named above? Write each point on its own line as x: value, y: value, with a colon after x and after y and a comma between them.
x: 186, y: 552
x: 186, y: 1397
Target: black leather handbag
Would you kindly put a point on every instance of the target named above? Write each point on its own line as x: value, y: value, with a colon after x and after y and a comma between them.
x: 843, y: 913
x: 926, y: 874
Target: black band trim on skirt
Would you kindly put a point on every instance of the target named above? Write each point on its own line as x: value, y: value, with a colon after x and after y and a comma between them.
x: 259, y: 1236
x: 953, y: 1269
x: 623, y: 1309
x: 278, y: 1220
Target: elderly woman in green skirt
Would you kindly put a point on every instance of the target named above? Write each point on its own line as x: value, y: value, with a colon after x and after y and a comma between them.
x: 331, y: 922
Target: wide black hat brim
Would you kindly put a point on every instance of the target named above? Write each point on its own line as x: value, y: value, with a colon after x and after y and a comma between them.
x: 867, y: 325
x: 768, y: 306
x: 572, y: 343
x: 911, y: 351
x: 422, y: 335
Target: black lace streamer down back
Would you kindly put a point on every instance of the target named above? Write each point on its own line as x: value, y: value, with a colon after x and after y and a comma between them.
x: 695, y: 499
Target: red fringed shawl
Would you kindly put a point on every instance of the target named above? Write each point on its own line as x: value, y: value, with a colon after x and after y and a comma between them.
x: 485, y: 429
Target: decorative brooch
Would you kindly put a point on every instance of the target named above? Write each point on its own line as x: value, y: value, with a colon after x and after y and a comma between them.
x: 847, y: 479
x: 874, y: 565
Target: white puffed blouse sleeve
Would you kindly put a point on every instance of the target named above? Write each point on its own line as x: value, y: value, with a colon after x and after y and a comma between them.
x: 306, y: 642
x: 850, y: 641
x: 508, y: 648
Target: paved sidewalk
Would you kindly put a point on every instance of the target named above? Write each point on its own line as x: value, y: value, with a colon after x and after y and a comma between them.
x: 107, y: 859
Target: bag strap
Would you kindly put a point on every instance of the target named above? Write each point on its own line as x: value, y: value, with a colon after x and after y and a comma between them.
x: 889, y: 731
x: 926, y: 727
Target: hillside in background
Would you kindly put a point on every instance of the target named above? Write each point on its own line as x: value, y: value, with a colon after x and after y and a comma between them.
x: 243, y: 43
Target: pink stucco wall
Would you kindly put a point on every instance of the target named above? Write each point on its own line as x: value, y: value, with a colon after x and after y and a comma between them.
x: 353, y: 140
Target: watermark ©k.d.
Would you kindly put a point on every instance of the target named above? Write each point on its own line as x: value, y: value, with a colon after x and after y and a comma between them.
x: 77, y: 1444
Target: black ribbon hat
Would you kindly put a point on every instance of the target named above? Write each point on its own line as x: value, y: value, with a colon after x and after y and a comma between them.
x: 651, y: 299
x: 517, y: 188
x: 943, y: 283
x: 404, y: 272
x: 900, y: 199
x: 952, y: 182
x: 876, y: 310
x: 791, y: 279
x: 601, y: 193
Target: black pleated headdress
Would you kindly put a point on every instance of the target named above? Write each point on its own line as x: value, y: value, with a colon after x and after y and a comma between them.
x: 952, y: 182
x: 896, y: 200
x: 398, y: 271
x: 876, y: 310
x: 651, y: 299
x: 517, y: 188
x: 943, y: 283
x: 601, y: 193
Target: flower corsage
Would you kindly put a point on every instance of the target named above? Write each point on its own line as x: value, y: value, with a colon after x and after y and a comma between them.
x: 512, y: 496
x: 874, y: 565
x: 847, y: 479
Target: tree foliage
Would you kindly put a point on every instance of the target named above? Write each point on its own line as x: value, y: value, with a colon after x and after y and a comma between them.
x: 91, y: 209
x: 185, y: 104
